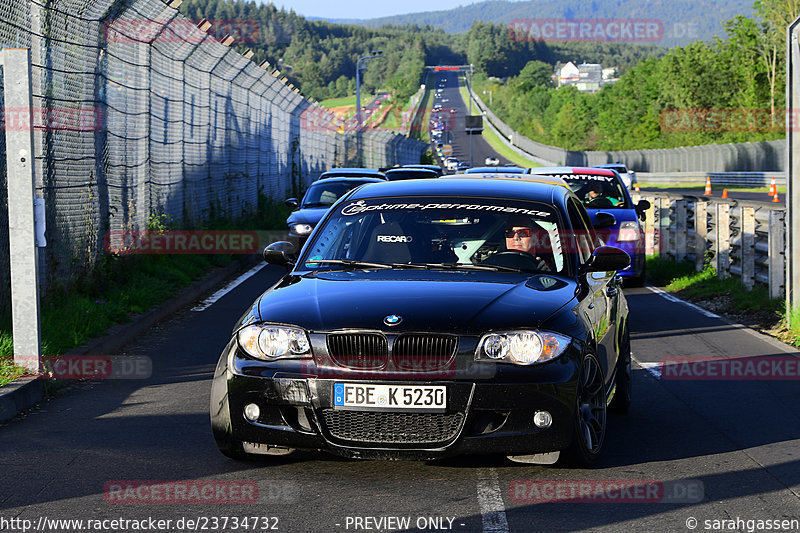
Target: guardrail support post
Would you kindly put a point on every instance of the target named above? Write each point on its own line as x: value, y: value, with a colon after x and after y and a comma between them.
x: 649, y: 229
x: 700, y: 233
x: 777, y: 245
x: 664, y: 227
x: 722, y: 255
x: 680, y: 230
x: 748, y: 247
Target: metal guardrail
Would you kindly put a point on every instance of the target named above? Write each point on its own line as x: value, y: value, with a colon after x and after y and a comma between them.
x: 718, y: 179
x: 741, y: 239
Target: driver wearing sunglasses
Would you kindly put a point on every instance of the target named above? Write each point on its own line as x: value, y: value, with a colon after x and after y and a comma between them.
x: 522, y: 237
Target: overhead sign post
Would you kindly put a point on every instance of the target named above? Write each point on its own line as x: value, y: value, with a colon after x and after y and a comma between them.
x: 21, y: 217
x: 792, y: 256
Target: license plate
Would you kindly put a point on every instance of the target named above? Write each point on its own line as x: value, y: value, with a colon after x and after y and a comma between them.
x: 390, y: 397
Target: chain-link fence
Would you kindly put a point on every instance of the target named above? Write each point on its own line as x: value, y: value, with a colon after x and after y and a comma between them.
x: 139, y: 112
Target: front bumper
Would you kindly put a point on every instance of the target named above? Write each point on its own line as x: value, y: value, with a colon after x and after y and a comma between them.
x: 485, y: 413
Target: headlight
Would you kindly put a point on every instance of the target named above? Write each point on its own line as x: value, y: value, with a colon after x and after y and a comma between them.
x: 301, y: 229
x: 270, y: 342
x: 521, y: 347
x: 628, y: 231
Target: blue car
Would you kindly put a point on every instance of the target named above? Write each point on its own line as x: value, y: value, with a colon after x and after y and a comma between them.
x: 602, y: 190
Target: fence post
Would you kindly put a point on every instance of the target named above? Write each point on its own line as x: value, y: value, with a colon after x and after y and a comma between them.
x: 748, y: 247
x: 776, y: 243
x: 21, y: 224
x: 700, y: 234
x: 680, y: 230
x: 722, y: 255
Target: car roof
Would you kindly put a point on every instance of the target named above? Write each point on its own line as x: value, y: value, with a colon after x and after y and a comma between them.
x: 511, y: 186
x: 364, y: 179
x: 611, y: 165
x: 352, y: 171
x: 419, y: 172
x: 508, y: 170
x: 595, y: 171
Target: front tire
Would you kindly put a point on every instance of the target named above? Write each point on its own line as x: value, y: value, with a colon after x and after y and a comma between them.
x: 590, y: 416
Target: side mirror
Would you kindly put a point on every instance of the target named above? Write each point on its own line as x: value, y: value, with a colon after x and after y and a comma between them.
x: 281, y: 253
x: 604, y: 220
x: 292, y: 202
x: 643, y: 206
x: 607, y: 258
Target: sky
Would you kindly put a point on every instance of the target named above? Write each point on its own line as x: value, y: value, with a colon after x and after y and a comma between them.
x: 364, y: 9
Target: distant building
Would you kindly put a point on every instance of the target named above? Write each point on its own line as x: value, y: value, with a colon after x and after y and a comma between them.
x: 568, y: 75
x: 587, y: 77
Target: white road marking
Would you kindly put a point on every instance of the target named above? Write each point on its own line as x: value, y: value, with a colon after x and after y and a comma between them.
x: 208, y: 302
x: 653, y: 368
x: 671, y: 298
x: 490, y: 500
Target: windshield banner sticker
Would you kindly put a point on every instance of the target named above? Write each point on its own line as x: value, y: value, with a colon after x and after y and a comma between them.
x: 361, y: 206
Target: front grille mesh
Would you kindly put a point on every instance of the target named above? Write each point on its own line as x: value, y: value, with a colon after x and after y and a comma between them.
x: 370, y: 351
x: 362, y: 351
x: 392, y: 428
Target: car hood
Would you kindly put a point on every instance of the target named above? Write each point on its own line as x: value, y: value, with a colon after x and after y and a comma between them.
x: 448, y: 302
x: 311, y: 215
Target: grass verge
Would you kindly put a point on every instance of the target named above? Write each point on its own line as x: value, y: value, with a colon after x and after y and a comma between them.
x: 724, y: 296
x: 120, y: 287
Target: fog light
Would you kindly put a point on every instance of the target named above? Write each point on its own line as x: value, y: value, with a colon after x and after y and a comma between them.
x: 252, y: 412
x: 542, y: 419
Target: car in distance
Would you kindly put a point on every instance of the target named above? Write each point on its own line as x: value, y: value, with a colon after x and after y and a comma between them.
x: 411, y: 326
x: 398, y: 174
x: 462, y: 166
x: 435, y: 168
x: 491, y: 161
x: 319, y: 197
x: 611, y: 197
x: 627, y: 175
x: 352, y: 173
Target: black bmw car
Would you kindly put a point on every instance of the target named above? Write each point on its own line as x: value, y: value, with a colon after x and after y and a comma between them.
x: 414, y: 326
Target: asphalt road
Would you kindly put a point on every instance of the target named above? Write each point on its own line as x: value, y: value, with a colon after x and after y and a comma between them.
x: 460, y: 141
x: 737, y: 440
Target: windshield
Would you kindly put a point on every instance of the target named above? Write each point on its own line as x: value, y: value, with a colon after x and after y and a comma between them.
x: 597, y: 191
x: 325, y: 193
x: 439, y: 233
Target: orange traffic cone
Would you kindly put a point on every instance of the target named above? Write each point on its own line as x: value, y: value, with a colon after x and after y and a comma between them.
x: 773, y: 187
x: 708, y: 186
x: 724, y: 193
x: 636, y: 187
x: 775, y: 198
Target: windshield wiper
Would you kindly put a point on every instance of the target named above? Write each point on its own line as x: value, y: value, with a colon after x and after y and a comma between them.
x: 349, y: 263
x: 469, y: 266
x: 316, y: 204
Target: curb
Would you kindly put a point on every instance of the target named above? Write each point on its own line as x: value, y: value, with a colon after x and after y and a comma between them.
x: 24, y: 393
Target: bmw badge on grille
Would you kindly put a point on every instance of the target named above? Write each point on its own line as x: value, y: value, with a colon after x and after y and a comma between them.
x: 392, y: 320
